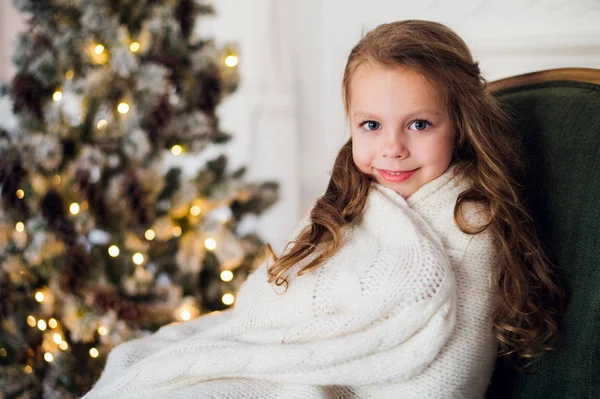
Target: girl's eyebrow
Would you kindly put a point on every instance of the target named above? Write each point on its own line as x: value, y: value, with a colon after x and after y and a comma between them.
x: 414, y: 113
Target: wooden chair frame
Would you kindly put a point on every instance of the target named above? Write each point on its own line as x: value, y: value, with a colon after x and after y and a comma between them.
x: 589, y: 75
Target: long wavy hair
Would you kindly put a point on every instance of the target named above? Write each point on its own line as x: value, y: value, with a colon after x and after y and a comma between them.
x: 488, y: 149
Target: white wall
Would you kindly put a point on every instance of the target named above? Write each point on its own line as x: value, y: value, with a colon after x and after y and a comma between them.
x: 10, y: 23
x: 287, y: 116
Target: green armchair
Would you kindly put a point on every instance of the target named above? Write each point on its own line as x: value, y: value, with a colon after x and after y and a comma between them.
x: 558, y: 116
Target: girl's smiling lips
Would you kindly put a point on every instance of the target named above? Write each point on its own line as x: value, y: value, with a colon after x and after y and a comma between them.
x: 395, y: 176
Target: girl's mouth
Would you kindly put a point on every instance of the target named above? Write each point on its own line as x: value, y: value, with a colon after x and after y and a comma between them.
x: 396, y: 177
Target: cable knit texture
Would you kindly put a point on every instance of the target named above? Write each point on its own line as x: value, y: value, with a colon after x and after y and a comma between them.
x: 402, y: 310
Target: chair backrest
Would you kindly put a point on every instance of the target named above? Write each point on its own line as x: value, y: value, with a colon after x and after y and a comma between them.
x: 558, y: 117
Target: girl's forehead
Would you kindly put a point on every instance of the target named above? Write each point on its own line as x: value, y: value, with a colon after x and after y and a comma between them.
x: 380, y: 84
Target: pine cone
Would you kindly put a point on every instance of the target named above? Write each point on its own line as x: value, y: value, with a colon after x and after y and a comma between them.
x: 7, y: 293
x: 53, y: 210
x: 185, y: 13
x: 207, y: 91
x: 126, y: 310
x: 11, y: 176
x: 27, y: 94
x: 134, y: 193
x: 75, y: 267
x: 156, y: 120
x: 93, y: 193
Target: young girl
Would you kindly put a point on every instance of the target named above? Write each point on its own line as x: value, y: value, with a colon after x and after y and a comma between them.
x: 417, y: 264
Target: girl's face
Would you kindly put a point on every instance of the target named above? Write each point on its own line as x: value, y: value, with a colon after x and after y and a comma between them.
x: 399, y: 124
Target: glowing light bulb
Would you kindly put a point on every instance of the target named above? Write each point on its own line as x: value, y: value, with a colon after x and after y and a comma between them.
x: 94, y: 352
x: 57, y: 338
x: 20, y: 194
x: 31, y: 321
x: 210, y: 244
x: 99, y: 49
x: 74, y: 208
x: 186, y: 315
x: 228, y: 299
x: 56, y: 179
x: 20, y: 227
x: 28, y: 369
x: 113, y: 251
x: 3, y: 352
x: 231, y: 61
x: 123, y: 108
x: 63, y: 345
x: 134, y: 47
x: 52, y: 323
x: 39, y: 296
x: 138, y: 258
x: 176, y: 149
x: 150, y: 234
x: 101, y: 124
x: 226, y: 275
x: 176, y: 231
x: 48, y: 357
x: 195, y: 210
x: 57, y: 96
x: 102, y: 330
x: 69, y: 75
x: 41, y: 325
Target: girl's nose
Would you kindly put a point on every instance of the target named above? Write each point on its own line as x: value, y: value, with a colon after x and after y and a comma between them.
x: 395, y: 149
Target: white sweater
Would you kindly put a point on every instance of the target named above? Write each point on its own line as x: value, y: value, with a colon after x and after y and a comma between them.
x: 381, y: 319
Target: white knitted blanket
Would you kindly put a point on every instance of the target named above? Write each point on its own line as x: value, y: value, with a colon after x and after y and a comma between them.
x: 379, y: 311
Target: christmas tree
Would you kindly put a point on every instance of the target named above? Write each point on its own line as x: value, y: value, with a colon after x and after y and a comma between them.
x: 99, y: 244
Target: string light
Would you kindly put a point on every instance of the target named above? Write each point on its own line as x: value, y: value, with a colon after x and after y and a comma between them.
x: 28, y: 369
x: 123, y: 108
x: 69, y: 75
x: 113, y: 251
x: 149, y: 234
x: 94, y: 352
x: 102, y: 330
x: 226, y: 275
x: 20, y: 194
x: 63, y: 345
x: 176, y: 231
x: 48, y: 357
x: 134, y: 47
x: 176, y: 150
x: 57, y: 338
x: 3, y: 352
x: 31, y: 321
x: 41, y: 325
x: 56, y: 179
x: 52, y: 323
x: 210, y: 244
x: 228, y: 299
x: 99, y: 49
x: 231, y: 61
x: 39, y: 296
x: 101, y: 124
x: 57, y: 96
x: 186, y: 315
x: 20, y: 227
x: 195, y: 210
x: 74, y: 208
x: 138, y: 258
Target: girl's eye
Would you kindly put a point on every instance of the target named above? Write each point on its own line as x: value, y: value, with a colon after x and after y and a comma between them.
x: 370, y: 125
x: 420, y: 124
